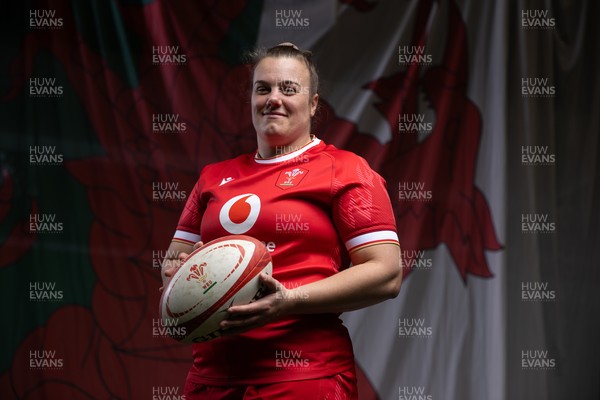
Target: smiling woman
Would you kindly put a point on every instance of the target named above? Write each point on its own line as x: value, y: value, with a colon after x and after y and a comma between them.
x: 318, y: 210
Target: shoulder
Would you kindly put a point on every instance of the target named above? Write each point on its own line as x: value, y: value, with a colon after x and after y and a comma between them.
x: 343, y: 158
x: 223, y: 171
x: 229, y: 163
x: 348, y: 165
x: 226, y: 166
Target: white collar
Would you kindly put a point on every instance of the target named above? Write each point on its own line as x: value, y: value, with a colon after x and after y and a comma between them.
x: 289, y: 156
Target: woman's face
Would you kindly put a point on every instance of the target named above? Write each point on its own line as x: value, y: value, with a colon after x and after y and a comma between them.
x: 281, y: 103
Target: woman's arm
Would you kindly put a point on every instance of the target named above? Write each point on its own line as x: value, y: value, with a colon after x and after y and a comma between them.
x: 375, y: 276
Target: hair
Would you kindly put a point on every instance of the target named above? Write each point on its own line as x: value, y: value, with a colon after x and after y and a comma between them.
x: 289, y: 50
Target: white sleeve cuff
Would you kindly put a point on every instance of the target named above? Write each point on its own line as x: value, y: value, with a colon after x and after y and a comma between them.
x: 186, y: 237
x: 371, y: 238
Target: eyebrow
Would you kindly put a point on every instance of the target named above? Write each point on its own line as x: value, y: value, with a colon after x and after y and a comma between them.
x: 286, y: 82
x: 290, y: 82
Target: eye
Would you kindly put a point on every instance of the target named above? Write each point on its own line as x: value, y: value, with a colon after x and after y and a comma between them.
x: 289, y: 89
x: 262, y: 89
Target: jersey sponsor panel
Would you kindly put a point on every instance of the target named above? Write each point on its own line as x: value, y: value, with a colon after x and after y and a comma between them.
x: 239, y: 214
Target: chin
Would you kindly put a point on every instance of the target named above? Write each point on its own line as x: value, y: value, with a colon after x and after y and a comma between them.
x: 274, y: 138
x: 271, y: 130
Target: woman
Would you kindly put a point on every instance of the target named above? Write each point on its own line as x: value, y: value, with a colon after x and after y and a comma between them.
x: 317, y: 209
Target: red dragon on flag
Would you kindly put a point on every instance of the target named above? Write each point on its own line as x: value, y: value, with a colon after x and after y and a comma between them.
x: 444, y: 162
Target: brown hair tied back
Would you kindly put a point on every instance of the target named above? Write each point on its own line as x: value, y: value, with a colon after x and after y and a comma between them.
x: 289, y: 50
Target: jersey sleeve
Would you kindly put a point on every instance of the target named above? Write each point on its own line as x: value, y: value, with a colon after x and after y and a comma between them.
x: 362, y: 211
x: 188, y: 227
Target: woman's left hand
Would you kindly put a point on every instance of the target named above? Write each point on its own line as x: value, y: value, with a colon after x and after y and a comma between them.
x: 260, y: 312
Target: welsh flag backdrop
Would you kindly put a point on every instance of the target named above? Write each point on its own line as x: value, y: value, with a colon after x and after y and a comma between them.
x: 483, y: 117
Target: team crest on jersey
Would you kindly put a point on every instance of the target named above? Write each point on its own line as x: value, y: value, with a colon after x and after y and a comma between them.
x: 291, y: 178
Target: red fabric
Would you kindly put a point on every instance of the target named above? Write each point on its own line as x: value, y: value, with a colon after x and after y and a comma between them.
x: 338, y: 387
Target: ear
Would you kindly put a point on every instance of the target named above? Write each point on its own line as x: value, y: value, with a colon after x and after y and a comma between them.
x: 313, y: 105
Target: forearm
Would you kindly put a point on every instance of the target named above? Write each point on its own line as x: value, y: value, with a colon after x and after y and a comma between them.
x: 359, y: 286
x: 375, y: 276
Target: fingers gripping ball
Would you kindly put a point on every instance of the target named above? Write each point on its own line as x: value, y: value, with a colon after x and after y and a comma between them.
x: 214, y: 277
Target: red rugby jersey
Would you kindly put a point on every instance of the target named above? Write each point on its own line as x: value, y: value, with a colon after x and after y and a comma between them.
x: 311, y: 207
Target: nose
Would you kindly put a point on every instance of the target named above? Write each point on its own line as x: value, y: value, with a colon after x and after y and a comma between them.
x: 274, y: 100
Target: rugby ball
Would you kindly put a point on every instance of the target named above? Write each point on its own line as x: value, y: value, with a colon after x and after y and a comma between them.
x: 214, y: 277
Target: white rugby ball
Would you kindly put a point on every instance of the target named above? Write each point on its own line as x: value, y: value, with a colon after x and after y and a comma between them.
x: 216, y: 276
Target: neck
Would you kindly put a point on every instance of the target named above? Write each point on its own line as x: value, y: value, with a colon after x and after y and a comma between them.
x: 268, y: 151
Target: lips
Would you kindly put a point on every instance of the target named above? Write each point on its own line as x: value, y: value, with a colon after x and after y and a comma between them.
x: 274, y: 114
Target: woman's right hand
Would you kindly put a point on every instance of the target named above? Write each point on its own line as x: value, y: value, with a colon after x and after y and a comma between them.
x: 171, y: 265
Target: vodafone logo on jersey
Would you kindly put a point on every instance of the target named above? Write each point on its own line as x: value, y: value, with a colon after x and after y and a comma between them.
x: 240, y: 213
